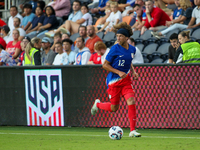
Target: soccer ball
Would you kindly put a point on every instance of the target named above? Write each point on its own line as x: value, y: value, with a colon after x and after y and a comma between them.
x: 115, y: 133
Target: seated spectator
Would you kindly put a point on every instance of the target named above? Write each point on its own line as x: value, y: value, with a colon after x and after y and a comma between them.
x: 186, y: 15
x: 69, y: 55
x: 160, y: 4
x: 23, y: 45
x: 127, y: 7
x: 57, y: 38
x: 101, y: 8
x: 172, y: 48
x: 47, y: 55
x: 14, y: 13
x: 61, y: 7
x: 156, y: 17
x: 26, y: 22
x: 32, y: 52
x: 72, y: 27
x: 114, y: 18
x: 59, y: 57
x: 3, y: 43
x: 83, y: 56
x: 13, y: 47
x: 5, y: 33
x: 189, y: 51
x: 140, y: 19
x: 93, y: 38
x: 22, y: 33
x: 33, y: 3
x: 37, y: 21
x: 41, y: 4
x: 76, y: 14
x: 177, y: 11
x: 138, y: 58
x: 2, y: 23
x: 65, y: 36
x: 5, y: 58
x: 99, y: 56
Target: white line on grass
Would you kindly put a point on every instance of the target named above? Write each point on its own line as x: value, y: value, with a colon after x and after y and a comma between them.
x: 158, y: 137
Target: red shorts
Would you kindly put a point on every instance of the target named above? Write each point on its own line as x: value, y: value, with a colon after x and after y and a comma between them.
x: 121, y: 88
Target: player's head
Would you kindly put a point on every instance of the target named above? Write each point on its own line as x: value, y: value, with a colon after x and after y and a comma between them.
x: 123, y: 32
x: 174, y: 39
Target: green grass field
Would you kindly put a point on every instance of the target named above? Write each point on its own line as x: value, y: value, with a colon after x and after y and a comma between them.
x: 75, y: 138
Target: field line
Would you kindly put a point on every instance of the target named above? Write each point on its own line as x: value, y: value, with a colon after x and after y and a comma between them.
x: 165, y: 137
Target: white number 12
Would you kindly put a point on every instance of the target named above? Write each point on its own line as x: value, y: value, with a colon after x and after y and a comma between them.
x: 121, y: 62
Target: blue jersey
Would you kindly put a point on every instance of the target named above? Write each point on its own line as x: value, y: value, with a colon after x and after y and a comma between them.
x: 120, y: 59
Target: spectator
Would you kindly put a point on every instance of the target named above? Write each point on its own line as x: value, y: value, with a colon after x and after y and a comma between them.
x: 23, y: 45
x: 172, y: 48
x: 138, y: 58
x: 83, y: 56
x: 14, y: 13
x: 37, y: 21
x: 101, y: 8
x: 33, y: 3
x: 189, y: 51
x: 57, y: 38
x: 47, y: 55
x: 5, y: 33
x: 72, y: 27
x: 22, y: 33
x: 101, y: 51
x: 59, y: 57
x: 13, y: 47
x: 114, y: 18
x: 186, y: 15
x: 127, y: 7
x: 26, y: 22
x: 3, y: 43
x: 140, y: 19
x: 5, y: 58
x: 62, y: 7
x: 41, y: 4
x: 93, y: 38
x: 69, y: 55
x: 76, y: 14
x: 32, y: 52
x: 156, y: 17
x: 65, y: 36
x: 160, y: 4
x: 177, y: 11
x: 2, y: 23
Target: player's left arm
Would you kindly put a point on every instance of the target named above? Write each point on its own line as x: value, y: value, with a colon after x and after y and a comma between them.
x: 135, y: 75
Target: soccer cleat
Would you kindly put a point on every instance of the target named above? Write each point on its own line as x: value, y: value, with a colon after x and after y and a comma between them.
x: 94, y: 107
x: 134, y: 134
x: 49, y: 34
x: 63, y: 30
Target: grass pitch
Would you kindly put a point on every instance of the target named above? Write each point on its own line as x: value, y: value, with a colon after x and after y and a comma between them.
x: 76, y: 138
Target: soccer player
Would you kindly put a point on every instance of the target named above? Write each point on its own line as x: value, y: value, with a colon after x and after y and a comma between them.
x: 118, y: 63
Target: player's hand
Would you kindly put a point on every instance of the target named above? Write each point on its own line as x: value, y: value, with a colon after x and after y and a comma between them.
x: 135, y: 76
x: 122, y: 74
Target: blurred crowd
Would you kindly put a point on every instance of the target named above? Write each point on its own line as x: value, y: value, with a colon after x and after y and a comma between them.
x: 64, y: 32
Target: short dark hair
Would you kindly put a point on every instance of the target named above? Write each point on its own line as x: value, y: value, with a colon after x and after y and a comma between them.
x: 14, y: 7
x: 132, y: 40
x: 136, y: 5
x: 42, y: 4
x: 18, y: 19
x: 84, y: 5
x: 81, y: 26
x: 173, y: 36
x: 77, y: 1
x: 68, y: 41
x: 58, y: 34
x: 83, y: 40
x: 27, y: 5
x: 59, y: 43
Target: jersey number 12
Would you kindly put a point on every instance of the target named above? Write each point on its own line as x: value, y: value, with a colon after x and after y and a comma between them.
x: 121, y: 62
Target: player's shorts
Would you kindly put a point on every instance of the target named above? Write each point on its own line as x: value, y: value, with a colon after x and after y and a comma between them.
x: 120, y: 88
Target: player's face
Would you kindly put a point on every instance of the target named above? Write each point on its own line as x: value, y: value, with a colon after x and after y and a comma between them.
x: 138, y: 10
x: 66, y: 46
x: 174, y: 42
x: 121, y: 39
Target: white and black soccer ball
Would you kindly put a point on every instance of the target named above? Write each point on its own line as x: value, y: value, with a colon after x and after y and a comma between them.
x: 115, y: 133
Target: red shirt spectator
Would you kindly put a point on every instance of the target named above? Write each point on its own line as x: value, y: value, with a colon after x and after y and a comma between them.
x: 2, y: 23
x: 159, y: 18
x: 95, y: 58
x: 3, y: 43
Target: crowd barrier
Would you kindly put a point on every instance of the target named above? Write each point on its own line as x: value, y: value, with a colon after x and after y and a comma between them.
x: 167, y: 96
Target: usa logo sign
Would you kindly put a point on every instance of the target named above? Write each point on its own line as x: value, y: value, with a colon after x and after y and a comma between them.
x: 44, y: 97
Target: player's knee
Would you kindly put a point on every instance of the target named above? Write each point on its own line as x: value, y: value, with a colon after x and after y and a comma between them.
x: 114, y: 108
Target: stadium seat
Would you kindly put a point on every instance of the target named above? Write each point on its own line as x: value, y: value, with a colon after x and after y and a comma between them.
x: 152, y: 40
x: 149, y: 49
x: 146, y: 60
x: 171, y: 32
x: 136, y: 34
x: 157, y: 61
x: 163, y: 40
x: 109, y: 36
x: 127, y: 19
x: 196, y: 34
x: 193, y: 38
x: 100, y: 34
x: 140, y: 46
x: 163, y: 49
x: 60, y: 21
x: 139, y: 41
x: 146, y: 35
x: 74, y: 36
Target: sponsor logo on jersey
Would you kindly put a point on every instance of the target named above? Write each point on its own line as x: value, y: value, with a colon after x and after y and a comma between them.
x: 44, y: 97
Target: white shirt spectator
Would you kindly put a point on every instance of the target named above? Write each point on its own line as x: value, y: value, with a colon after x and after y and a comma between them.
x: 68, y: 59
x: 88, y: 19
x: 11, y: 19
x: 58, y: 59
x: 196, y: 14
x: 113, y: 19
x: 138, y: 59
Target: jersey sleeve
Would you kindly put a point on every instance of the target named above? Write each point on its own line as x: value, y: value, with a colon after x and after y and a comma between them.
x: 111, y: 54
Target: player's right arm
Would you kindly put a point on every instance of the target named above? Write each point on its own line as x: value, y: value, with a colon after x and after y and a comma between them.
x: 108, y: 67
